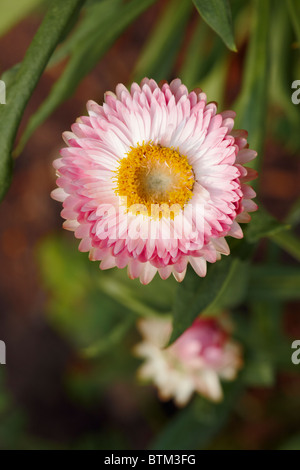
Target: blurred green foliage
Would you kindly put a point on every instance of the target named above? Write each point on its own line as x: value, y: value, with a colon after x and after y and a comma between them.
x: 96, y: 311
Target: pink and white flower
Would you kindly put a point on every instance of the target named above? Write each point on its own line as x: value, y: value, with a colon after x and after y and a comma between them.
x: 154, y: 179
x: 195, y: 362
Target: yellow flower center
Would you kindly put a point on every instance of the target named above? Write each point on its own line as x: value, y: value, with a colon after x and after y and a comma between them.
x: 156, y: 177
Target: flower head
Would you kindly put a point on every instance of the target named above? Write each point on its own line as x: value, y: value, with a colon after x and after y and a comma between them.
x: 154, y: 180
x: 195, y: 362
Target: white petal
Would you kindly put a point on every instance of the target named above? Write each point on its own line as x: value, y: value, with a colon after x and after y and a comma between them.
x: 108, y: 262
x: 235, y: 230
x: 221, y: 245
x: 59, y: 194
x: 199, y: 265
x: 179, y: 276
x: 148, y: 273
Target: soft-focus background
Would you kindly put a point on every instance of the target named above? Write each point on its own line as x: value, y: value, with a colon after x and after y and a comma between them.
x: 70, y: 378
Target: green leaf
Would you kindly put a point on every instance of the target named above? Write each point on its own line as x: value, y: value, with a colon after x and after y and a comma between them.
x: 95, y: 309
x: 262, y: 339
x: 206, y: 65
x: 213, y: 82
x: 76, y: 307
x: 159, y: 54
x: 281, y: 77
x: 288, y: 242
x: 293, y: 217
x: 125, y: 296
x: 87, y: 27
x: 157, y: 295
x: 206, y: 61
x: 196, y: 294
x: 110, y: 340
x: 251, y: 106
x: 294, y: 11
x: 259, y: 373
x: 274, y: 283
x: 27, y: 77
x: 263, y: 225
x: 292, y: 443
x: 196, y: 425
x: 9, y: 75
x: 217, y: 14
x: 14, y: 11
x: 196, y: 57
x: 234, y: 290
x: 105, y: 27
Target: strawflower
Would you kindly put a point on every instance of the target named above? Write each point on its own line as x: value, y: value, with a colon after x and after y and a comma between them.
x: 154, y: 179
x: 196, y: 362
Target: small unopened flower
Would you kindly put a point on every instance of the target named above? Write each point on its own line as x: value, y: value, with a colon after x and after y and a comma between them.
x: 195, y: 362
x: 154, y: 179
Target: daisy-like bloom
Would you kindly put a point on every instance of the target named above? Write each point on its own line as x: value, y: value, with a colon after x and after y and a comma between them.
x: 154, y: 180
x: 195, y: 362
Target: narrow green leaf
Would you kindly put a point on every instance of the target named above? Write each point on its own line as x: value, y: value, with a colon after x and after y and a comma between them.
x: 205, y: 65
x: 158, y: 56
x: 196, y: 425
x: 206, y: 62
x: 124, y: 296
x: 263, y: 225
x: 288, y: 242
x: 27, y: 77
x: 281, y: 78
x: 88, y: 26
x: 251, y: 106
x: 76, y: 285
x: 92, y: 319
x: 195, y: 294
x: 110, y: 340
x: 274, y: 283
x: 157, y: 295
x: 294, y: 11
x: 9, y: 75
x: 217, y: 14
x: 265, y: 342
x: 293, y: 217
x: 292, y: 443
x: 213, y: 82
x: 234, y: 290
x: 196, y: 56
x: 108, y: 24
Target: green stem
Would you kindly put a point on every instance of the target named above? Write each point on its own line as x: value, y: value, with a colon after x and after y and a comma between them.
x: 121, y: 294
x: 103, y: 345
x: 294, y: 11
x: 288, y: 242
x: 251, y: 106
x: 37, y: 56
